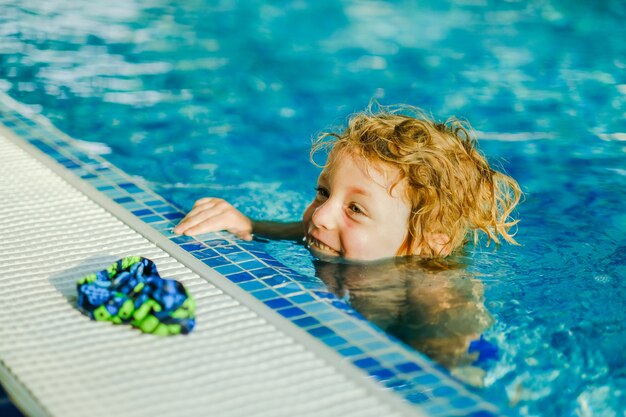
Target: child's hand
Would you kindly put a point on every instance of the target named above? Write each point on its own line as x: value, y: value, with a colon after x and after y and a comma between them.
x: 212, y: 215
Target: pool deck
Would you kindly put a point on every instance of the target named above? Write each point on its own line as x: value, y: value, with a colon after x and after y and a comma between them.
x: 265, y: 343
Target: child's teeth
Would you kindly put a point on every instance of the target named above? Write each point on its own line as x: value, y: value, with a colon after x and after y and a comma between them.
x: 317, y: 243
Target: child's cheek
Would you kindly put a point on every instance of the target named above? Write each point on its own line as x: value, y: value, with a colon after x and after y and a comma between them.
x: 358, y: 242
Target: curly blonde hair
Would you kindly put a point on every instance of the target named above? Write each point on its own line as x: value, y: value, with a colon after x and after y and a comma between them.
x: 452, y: 190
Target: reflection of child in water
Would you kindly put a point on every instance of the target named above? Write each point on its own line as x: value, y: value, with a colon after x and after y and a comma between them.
x: 394, y: 184
x: 436, y: 309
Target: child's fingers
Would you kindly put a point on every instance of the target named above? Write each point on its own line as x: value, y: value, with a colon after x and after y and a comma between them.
x: 195, y: 212
x: 195, y: 218
x: 213, y: 214
x: 244, y: 236
x: 211, y: 223
x: 204, y: 204
x: 230, y: 220
x: 206, y: 201
x: 199, y: 207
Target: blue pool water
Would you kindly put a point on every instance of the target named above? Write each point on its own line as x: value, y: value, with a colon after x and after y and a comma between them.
x: 221, y: 98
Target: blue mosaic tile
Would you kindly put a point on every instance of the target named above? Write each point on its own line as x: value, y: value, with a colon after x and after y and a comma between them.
x: 265, y: 294
x: 393, y: 357
x: 360, y: 335
x: 340, y: 304
x: 274, y: 280
x: 238, y: 277
x: 152, y: 203
x: 417, y: 397
x: 306, y: 322
x: 366, y: 363
x: 408, y: 367
x: 301, y: 298
x: 482, y: 413
x: 436, y: 409
x: 194, y: 246
x: 215, y: 243
x: 252, y: 285
x: 173, y: 216
x: 240, y: 257
x: 292, y: 312
x: 289, y: 288
x: 315, y: 308
x: 130, y: 187
x: 252, y: 265
x: 162, y: 209
x: 426, y: 379
x: 444, y: 391
x: 265, y: 272
x: 129, y: 206
x: 152, y: 219
x: 215, y: 261
x: 273, y: 262
x: 321, y: 331
x: 278, y: 303
x: 228, y: 269
x: 202, y: 254
x: 462, y: 402
x: 227, y: 249
x: 182, y: 239
x: 325, y: 294
x: 261, y: 254
x: 382, y: 374
x: 330, y: 316
x: 334, y: 341
x: 142, y: 212
x: 375, y: 345
x: 397, y: 384
x: 345, y: 326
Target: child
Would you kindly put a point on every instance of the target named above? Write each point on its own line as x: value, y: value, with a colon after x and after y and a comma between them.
x: 395, y: 184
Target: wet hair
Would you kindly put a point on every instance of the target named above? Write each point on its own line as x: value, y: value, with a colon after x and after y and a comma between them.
x: 453, y: 192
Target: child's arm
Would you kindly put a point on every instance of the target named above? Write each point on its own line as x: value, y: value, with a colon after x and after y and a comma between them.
x: 214, y: 214
x: 278, y: 230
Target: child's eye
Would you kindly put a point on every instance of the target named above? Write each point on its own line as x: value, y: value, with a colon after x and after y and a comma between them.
x: 354, y: 209
x: 322, y: 192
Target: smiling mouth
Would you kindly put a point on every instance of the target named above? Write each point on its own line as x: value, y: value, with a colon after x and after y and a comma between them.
x: 318, y: 246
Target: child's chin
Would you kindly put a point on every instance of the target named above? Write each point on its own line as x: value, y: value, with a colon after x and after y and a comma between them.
x: 325, y: 256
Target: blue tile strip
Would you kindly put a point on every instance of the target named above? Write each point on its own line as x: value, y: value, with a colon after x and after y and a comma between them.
x: 320, y: 313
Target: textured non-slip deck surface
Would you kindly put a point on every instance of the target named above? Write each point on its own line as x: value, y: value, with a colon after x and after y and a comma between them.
x: 235, y: 363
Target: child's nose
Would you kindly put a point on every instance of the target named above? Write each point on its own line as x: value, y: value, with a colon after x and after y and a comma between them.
x: 324, y: 216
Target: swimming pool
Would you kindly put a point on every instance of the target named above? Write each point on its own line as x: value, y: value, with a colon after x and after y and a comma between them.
x: 194, y: 99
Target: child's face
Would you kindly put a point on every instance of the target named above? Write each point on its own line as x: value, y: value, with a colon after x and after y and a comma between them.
x: 355, y: 214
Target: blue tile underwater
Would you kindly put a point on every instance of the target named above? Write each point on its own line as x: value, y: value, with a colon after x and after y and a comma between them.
x: 350, y: 351
x: 228, y: 269
x: 292, y: 312
x: 408, y: 367
x: 216, y: 261
x: 278, y: 303
x: 319, y: 312
x: 307, y: 322
x: 252, y: 285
